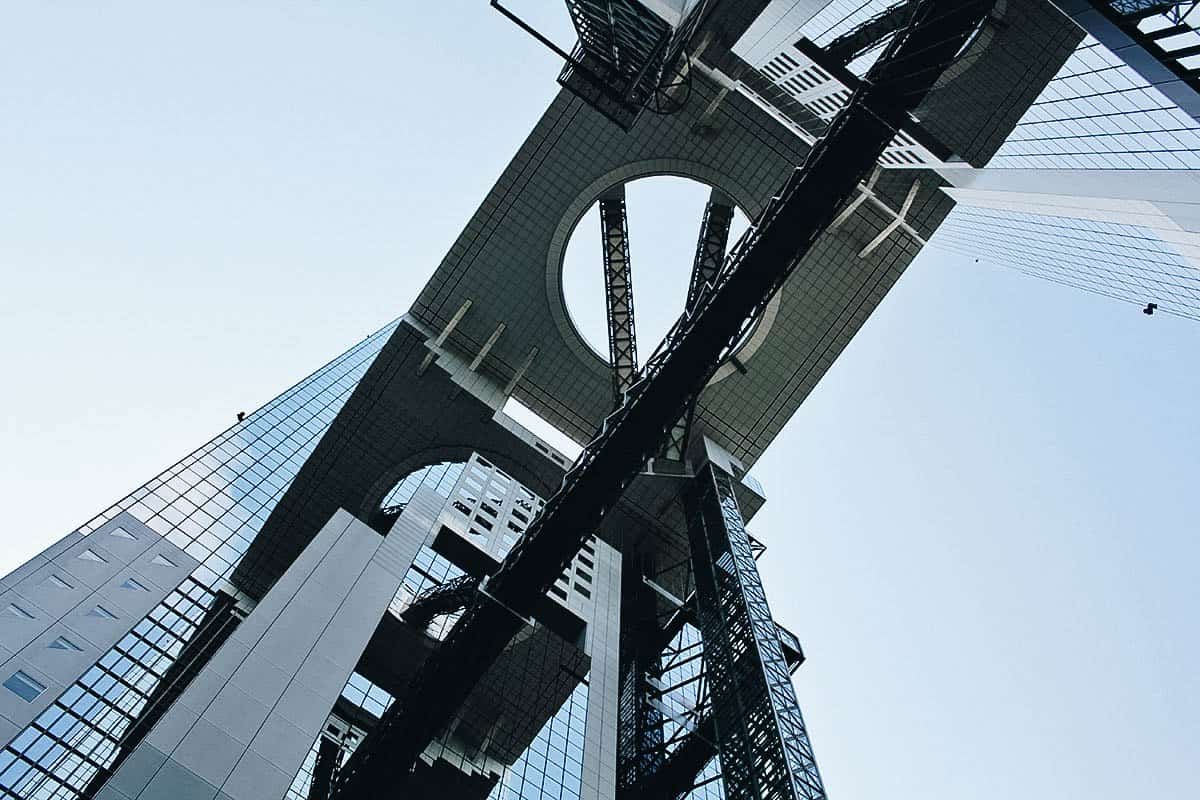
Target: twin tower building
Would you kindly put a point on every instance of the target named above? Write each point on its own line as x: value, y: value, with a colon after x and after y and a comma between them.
x: 239, y: 626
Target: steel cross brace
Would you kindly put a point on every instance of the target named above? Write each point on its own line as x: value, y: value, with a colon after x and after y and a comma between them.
x: 710, y: 255
x: 618, y: 292
x: 639, y: 723
x: 854, y: 43
x: 685, y: 362
x: 761, y: 738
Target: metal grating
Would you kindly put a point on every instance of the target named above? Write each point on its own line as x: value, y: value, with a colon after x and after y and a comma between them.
x: 761, y: 738
x: 618, y: 292
x: 689, y: 355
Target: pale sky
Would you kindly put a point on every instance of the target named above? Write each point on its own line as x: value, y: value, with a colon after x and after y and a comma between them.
x: 982, y: 524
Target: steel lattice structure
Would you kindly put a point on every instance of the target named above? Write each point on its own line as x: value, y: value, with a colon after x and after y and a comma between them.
x: 685, y: 361
x: 618, y: 292
x: 764, y: 746
x: 1172, y: 43
x: 710, y: 255
x: 639, y: 726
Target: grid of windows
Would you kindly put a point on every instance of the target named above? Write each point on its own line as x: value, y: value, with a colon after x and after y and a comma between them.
x: 1125, y: 262
x: 214, y: 502
x: 552, y: 767
x: 1099, y: 113
x: 366, y: 695
x: 211, y: 504
x: 81, y: 732
x: 360, y: 692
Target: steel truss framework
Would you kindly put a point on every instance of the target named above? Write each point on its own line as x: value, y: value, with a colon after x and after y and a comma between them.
x: 763, y: 744
x: 710, y: 255
x: 684, y: 363
x: 618, y: 292
x: 1168, y: 43
x: 443, y: 598
x: 688, y: 743
x: 639, y: 722
x: 854, y: 43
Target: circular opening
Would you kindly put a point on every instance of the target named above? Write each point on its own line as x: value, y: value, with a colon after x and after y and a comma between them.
x: 664, y: 215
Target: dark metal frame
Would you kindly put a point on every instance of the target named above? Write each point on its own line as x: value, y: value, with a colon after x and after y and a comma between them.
x: 761, y: 737
x: 618, y: 292
x: 443, y: 598
x: 626, y: 59
x: 684, y: 363
x: 710, y: 255
x: 1182, y: 16
x: 862, y: 38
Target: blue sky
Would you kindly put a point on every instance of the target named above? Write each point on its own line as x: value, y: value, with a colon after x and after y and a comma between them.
x: 981, y: 524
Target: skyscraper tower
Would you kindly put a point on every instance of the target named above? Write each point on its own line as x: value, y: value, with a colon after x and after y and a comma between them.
x: 380, y: 584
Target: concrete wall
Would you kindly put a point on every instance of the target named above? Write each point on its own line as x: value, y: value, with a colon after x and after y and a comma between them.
x: 62, y: 610
x: 242, y: 728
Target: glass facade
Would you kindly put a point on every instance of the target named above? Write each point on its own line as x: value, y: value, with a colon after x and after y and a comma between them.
x: 81, y: 732
x: 552, y: 766
x: 211, y: 504
x: 1125, y: 262
x: 1099, y: 113
x: 482, y: 502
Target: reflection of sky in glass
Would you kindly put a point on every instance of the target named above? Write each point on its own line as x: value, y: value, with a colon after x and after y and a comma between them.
x: 1099, y: 113
x: 1126, y: 262
x: 215, y: 501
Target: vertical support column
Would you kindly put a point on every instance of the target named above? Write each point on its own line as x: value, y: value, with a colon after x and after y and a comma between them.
x: 710, y: 255
x: 242, y: 728
x: 639, y: 731
x: 618, y: 291
x: 599, y: 780
x: 710, y: 246
x: 764, y: 747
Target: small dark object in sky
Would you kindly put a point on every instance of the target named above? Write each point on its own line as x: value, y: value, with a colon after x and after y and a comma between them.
x: 1149, y: 309
x: 241, y: 415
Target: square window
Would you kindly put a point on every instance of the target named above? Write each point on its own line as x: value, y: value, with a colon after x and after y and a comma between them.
x: 24, y: 687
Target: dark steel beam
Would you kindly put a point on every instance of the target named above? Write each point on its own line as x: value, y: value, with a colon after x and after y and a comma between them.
x: 639, y: 723
x: 789, y: 226
x: 710, y: 255
x: 618, y: 292
x: 710, y: 247
x: 854, y: 43
x: 328, y: 755
x: 445, y: 598
x: 761, y: 738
